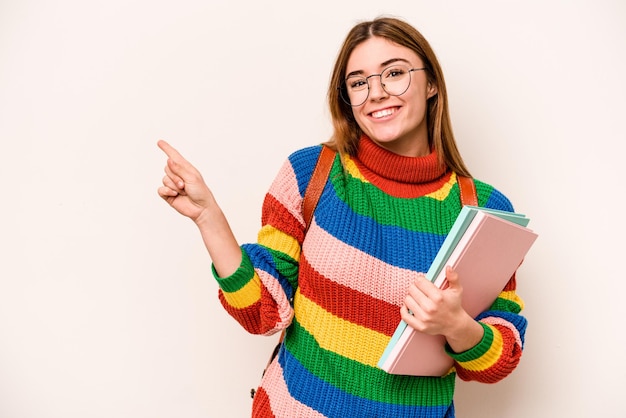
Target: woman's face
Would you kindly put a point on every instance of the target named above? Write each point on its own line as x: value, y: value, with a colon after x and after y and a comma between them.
x: 397, y: 123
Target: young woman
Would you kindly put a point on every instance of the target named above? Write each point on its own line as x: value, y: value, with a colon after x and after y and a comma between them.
x: 340, y: 288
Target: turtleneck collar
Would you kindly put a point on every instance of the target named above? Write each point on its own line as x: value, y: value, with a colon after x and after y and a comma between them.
x: 398, y: 168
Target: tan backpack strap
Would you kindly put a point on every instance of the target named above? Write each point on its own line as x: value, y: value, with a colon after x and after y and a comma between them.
x: 467, y: 189
x: 316, y: 184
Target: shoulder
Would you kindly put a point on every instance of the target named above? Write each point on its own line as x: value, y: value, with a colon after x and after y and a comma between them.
x: 490, y: 197
x: 302, y: 163
x: 305, y: 157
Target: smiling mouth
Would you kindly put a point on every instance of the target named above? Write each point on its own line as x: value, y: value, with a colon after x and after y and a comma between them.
x: 383, y: 113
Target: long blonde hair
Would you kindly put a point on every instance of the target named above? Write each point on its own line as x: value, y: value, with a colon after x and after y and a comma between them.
x: 347, y: 132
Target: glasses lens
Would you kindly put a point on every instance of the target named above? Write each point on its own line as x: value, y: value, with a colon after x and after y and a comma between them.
x: 354, y: 90
x: 396, y: 80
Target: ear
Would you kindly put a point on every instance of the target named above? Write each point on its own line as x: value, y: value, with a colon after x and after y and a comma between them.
x: 432, y: 90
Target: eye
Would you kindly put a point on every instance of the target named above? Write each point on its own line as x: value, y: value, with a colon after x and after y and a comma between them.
x: 356, y: 83
x: 394, y: 72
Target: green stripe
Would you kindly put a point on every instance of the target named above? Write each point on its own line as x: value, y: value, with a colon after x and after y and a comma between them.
x: 478, y: 350
x: 483, y: 191
x: 364, y: 381
x: 286, y: 265
x: 401, y: 212
x: 506, y: 305
x: 239, y: 278
x: 368, y: 200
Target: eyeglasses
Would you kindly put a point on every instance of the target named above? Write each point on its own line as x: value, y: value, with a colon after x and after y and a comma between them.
x: 395, y: 80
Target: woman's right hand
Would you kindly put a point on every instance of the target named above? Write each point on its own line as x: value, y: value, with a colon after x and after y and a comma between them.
x: 183, y: 186
x: 185, y: 190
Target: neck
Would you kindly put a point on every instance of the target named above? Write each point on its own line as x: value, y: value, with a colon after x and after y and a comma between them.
x: 396, y: 167
x: 409, y: 149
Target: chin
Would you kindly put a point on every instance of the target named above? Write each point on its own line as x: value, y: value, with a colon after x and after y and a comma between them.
x: 385, y: 139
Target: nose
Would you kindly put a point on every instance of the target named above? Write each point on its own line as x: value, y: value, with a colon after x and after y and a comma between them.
x: 376, y: 87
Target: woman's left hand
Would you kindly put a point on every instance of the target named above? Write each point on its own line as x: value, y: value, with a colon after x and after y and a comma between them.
x: 436, y: 311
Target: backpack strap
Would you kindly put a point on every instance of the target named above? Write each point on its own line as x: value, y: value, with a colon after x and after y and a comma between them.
x: 467, y: 188
x: 316, y: 184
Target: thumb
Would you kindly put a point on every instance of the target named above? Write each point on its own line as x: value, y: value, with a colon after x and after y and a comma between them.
x: 452, y: 279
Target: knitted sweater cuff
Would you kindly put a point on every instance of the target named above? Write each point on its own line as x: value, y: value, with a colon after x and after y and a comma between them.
x: 478, y: 350
x: 239, y: 278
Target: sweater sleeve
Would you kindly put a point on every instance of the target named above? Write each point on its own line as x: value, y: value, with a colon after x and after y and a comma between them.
x: 259, y: 294
x: 500, y: 350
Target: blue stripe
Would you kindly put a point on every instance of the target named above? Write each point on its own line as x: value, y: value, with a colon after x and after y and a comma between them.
x: 498, y: 201
x: 517, y: 321
x: 332, y: 402
x: 263, y: 260
x: 391, y: 244
x: 303, y: 162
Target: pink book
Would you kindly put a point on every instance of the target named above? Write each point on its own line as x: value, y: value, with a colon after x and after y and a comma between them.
x: 486, y: 256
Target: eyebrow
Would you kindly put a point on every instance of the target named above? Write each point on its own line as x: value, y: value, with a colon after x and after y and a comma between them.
x: 382, y: 65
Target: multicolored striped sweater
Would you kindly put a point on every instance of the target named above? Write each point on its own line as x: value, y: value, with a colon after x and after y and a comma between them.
x: 380, y: 220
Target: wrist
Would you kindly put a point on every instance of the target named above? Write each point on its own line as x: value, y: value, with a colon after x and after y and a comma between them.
x: 465, y: 334
x: 209, y: 215
x: 219, y: 240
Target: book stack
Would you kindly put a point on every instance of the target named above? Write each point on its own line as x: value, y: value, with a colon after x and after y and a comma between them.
x: 485, y: 247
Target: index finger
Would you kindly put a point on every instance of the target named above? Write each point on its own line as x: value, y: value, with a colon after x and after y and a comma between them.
x: 425, y: 286
x: 177, y: 164
x: 169, y: 150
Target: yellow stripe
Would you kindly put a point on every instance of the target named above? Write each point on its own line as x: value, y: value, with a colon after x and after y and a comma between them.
x: 277, y: 240
x: 251, y: 292
x: 512, y: 296
x: 444, y: 191
x: 331, y: 331
x: 490, y: 357
x: 245, y: 296
x: 352, y: 169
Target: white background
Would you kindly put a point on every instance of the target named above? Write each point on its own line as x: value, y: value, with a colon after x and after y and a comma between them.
x: 107, y: 305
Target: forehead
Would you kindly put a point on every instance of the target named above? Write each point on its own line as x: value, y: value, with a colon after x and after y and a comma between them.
x: 375, y: 53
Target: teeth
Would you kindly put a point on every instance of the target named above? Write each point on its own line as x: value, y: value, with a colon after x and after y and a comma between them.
x: 382, y: 113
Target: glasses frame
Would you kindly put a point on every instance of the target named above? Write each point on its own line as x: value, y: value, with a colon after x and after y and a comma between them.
x: 344, y: 89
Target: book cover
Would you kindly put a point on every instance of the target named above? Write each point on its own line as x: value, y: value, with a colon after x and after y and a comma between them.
x: 485, y: 248
x: 463, y: 220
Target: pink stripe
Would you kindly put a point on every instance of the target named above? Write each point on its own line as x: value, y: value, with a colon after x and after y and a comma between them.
x: 282, y: 403
x: 389, y: 283
x: 285, y: 186
x: 492, y: 320
x: 285, y: 312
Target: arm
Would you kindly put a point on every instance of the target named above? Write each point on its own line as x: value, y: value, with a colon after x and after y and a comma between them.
x: 259, y: 294
x: 252, y: 288
x: 258, y: 280
x: 485, y: 349
x: 185, y: 190
x: 500, y: 350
